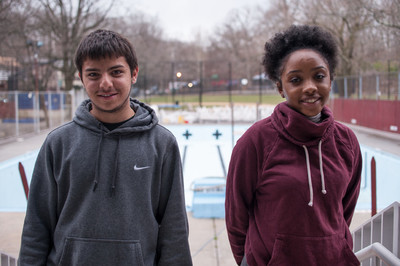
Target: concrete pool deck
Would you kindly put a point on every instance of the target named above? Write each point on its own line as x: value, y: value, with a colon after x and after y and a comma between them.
x: 208, y: 238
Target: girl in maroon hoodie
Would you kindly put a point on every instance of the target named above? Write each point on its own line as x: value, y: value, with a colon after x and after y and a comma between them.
x: 294, y: 177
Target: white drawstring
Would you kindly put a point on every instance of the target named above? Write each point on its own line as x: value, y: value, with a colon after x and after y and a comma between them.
x: 309, y: 176
x: 309, y: 172
x: 321, y: 169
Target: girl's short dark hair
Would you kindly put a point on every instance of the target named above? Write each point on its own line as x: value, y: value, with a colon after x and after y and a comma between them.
x: 105, y: 43
x: 294, y: 38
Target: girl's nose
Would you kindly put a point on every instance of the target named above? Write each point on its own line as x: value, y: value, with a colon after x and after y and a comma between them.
x: 310, y: 86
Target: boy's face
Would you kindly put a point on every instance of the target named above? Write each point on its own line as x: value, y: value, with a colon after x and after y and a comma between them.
x: 108, y: 84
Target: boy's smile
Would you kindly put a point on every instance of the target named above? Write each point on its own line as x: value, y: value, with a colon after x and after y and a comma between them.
x: 108, y: 84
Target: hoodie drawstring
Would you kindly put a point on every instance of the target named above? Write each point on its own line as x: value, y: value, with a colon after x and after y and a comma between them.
x: 309, y: 173
x: 321, y: 168
x: 115, y: 168
x: 97, y: 170
x: 96, y: 174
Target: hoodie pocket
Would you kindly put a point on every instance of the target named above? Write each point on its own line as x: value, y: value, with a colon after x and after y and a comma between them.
x: 329, y: 250
x: 87, y: 251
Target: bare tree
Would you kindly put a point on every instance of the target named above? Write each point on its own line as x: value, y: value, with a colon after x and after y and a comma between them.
x: 64, y: 23
x: 13, y: 16
x: 385, y: 12
x: 346, y: 20
x: 238, y: 41
x: 280, y: 15
x: 17, y: 33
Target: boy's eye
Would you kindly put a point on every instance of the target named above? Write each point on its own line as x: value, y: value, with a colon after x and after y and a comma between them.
x: 92, y: 75
x: 116, y: 72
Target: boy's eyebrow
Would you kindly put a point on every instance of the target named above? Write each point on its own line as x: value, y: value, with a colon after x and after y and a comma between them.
x: 96, y: 69
x: 115, y: 67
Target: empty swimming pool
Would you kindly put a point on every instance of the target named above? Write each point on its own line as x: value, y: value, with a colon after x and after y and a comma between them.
x: 205, y: 151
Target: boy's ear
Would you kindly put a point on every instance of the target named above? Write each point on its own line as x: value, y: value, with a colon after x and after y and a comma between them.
x: 135, y: 73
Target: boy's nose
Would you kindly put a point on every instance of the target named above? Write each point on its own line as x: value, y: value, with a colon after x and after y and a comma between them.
x: 106, y: 82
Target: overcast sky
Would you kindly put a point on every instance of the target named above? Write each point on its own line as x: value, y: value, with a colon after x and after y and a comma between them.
x: 181, y: 19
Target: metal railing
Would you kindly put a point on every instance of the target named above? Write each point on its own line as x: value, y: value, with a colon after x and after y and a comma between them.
x: 6, y: 260
x: 377, y: 241
x: 378, y: 252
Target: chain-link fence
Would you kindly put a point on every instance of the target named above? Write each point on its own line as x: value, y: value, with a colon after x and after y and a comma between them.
x: 31, y: 112
x: 24, y: 112
x: 174, y: 79
x: 380, y: 87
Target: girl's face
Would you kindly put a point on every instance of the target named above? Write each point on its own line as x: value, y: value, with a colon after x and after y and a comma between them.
x: 305, y: 81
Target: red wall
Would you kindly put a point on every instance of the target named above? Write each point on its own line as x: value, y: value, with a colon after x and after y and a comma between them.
x: 377, y: 114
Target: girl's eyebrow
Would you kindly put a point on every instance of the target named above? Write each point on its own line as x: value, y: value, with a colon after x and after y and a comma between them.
x: 300, y: 70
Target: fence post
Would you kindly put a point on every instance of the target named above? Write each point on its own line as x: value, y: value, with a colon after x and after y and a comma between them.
x: 398, y: 85
x: 62, y: 105
x: 345, y: 87
x: 360, y: 88
x: 16, y: 113
x: 36, y: 112
x: 377, y: 87
x: 50, y: 108
x: 201, y: 84
x: 373, y: 186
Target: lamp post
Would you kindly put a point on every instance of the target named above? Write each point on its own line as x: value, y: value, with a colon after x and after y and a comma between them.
x: 178, y: 76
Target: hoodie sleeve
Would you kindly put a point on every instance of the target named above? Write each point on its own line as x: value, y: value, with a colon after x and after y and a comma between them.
x: 240, y: 187
x: 173, y: 244
x: 350, y: 199
x: 40, y: 219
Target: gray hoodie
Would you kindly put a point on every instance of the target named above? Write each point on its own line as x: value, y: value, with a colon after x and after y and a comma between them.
x: 100, y: 197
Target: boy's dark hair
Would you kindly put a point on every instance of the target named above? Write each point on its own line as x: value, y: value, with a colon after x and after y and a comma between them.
x: 294, y: 38
x: 105, y: 43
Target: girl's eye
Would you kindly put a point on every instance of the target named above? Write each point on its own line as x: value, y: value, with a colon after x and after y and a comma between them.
x: 294, y: 80
x: 320, y: 76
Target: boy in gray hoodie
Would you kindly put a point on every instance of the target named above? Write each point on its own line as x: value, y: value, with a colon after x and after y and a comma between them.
x: 107, y: 188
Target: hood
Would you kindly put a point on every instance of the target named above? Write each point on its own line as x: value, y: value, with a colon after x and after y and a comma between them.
x: 292, y: 124
x: 145, y: 118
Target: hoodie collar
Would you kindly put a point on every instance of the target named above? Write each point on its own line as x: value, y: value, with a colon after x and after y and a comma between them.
x: 145, y: 118
x: 295, y: 127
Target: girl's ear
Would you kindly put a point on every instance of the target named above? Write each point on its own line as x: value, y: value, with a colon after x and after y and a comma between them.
x: 280, y: 89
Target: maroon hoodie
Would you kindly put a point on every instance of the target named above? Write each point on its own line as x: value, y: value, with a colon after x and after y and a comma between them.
x: 291, y: 191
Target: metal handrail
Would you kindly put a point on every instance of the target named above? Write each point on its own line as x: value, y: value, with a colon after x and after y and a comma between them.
x: 378, y: 250
x: 7, y: 260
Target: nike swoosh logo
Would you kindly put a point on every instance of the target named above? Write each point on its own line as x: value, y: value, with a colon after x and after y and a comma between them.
x: 136, y: 168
